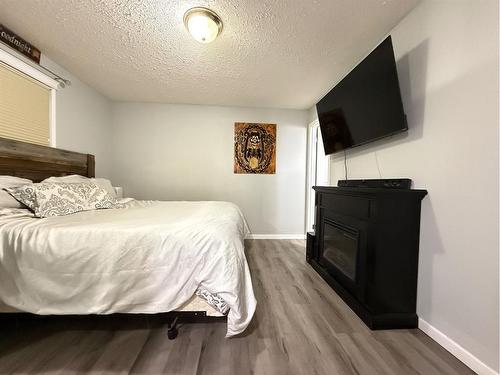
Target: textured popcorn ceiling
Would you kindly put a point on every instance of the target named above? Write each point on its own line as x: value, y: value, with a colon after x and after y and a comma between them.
x: 271, y: 53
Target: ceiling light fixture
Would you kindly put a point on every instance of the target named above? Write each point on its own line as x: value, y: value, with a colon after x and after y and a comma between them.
x: 203, y: 24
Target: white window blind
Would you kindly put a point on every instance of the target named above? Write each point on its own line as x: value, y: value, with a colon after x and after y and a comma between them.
x: 24, y: 107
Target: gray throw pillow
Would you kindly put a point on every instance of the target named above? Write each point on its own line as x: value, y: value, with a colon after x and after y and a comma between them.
x: 48, y: 199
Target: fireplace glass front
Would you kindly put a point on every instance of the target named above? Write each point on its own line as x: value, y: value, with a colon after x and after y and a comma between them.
x: 340, y: 248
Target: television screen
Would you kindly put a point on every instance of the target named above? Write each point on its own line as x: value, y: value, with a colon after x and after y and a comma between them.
x: 366, y: 105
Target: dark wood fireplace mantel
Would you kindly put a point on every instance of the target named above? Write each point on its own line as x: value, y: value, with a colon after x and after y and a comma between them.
x: 365, y: 245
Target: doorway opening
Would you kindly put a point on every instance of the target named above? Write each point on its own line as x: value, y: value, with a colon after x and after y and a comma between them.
x: 318, y: 170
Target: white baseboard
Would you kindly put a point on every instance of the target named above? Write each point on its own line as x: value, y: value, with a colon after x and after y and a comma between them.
x: 275, y: 236
x: 456, y: 349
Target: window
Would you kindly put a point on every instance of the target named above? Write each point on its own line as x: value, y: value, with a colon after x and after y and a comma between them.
x: 25, y: 106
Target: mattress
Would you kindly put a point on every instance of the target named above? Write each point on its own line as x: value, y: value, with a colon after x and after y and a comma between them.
x: 148, y: 257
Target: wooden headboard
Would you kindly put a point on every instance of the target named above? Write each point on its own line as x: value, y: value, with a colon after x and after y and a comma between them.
x: 37, y: 162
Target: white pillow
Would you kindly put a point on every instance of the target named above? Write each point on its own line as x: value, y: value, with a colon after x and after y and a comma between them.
x: 6, y: 200
x: 76, y: 178
x: 105, y: 184
x: 70, y: 179
x: 61, y: 198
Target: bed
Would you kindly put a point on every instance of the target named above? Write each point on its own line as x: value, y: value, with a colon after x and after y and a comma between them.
x: 147, y: 257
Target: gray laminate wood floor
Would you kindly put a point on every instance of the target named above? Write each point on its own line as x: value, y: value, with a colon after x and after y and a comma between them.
x: 301, y: 327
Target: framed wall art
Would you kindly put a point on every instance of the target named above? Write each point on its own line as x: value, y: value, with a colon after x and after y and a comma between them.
x: 254, y: 148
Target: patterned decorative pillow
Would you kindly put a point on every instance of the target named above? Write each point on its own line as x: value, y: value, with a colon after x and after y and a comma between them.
x: 76, y: 178
x: 48, y: 199
x: 24, y: 194
x: 6, y: 200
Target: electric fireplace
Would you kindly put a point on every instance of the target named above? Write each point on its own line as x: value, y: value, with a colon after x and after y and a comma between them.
x: 365, y: 245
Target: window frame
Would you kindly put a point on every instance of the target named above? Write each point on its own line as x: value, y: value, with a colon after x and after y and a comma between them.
x: 37, y: 75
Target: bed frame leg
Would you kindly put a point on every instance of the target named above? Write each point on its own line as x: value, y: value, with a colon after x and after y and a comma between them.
x: 172, y: 329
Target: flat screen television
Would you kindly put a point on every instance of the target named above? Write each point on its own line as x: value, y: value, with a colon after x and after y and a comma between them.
x: 366, y: 105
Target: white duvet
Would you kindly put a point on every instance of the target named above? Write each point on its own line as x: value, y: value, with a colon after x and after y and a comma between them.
x: 148, y: 257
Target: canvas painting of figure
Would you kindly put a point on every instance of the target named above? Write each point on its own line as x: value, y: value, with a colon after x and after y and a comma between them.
x: 254, y: 148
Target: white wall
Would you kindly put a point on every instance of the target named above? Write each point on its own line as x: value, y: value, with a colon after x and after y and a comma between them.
x: 447, y: 54
x: 83, y: 119
x: 185, y: 152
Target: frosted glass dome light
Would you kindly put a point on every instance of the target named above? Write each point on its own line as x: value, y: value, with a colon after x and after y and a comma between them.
x: 203, y: 24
